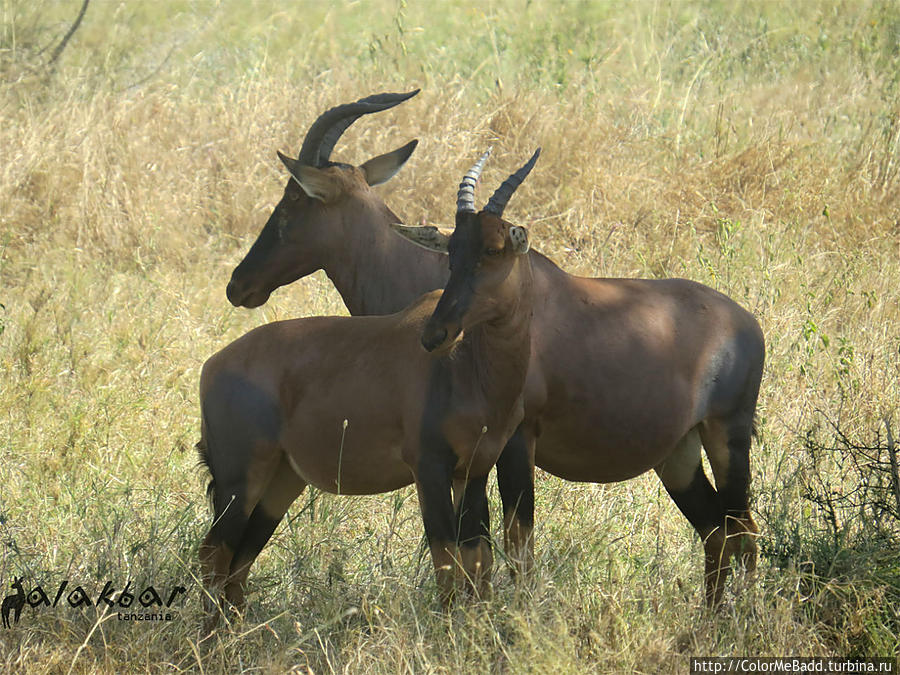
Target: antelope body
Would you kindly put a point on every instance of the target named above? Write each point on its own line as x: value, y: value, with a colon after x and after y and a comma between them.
x: 355, y: 405
x: 626, y: 375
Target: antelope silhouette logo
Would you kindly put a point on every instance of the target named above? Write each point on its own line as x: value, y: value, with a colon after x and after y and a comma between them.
x: 14, y: 603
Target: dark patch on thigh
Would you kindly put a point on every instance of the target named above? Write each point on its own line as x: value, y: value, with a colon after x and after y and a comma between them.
x: 238, y: 415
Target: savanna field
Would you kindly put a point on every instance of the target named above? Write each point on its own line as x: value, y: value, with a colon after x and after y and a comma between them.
x: 754, y: 147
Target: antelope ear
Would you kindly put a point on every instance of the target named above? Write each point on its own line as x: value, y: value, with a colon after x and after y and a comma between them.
x: 315, y: 182
x: 427, y: 236
x: 518, y: 236
x: 381, y: 169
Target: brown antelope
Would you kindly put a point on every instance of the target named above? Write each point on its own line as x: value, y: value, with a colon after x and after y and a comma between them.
x: 328, y: 205
x: 355, y: 405
x: 627, y: 375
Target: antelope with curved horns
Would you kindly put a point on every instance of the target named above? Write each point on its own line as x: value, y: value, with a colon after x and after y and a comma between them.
x: 626, y: 375
x: 328, y: 203
x: 355, y: 405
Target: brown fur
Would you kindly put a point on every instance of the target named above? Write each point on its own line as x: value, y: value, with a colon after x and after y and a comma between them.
x: 315, y: 373
x: 621, y: 371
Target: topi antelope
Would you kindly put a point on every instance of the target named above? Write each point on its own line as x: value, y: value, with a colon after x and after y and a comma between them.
x: 355, y: 405
x: 627, y: 375
x: 328, y: 205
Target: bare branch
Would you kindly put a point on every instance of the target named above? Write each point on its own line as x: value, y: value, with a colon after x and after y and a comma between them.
x: 68, y: 36
x: 892, y: 456
x: 153, y: 72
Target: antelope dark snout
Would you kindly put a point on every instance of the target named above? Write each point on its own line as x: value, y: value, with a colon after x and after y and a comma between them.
x: 435, y: 335
x: 240, y: 294
x: 445, y: 323
x: 234, y: 292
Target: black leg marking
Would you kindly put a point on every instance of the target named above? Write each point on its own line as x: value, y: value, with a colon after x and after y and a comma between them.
x: 474, y: 517
x: 740, y: 528
x: 736, y: 491
x: 229, y: 519
x: 473, y: 522
x: 515, y: 479
x: 434, y: 479
x: 284, y: 487
x: 434, y: 469
x: 699, y: 503
x: 436, y: 461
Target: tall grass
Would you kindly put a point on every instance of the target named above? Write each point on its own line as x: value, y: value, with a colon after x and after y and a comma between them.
x: 752, y: 147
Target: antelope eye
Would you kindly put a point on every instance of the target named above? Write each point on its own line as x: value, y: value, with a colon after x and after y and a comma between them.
x: 492, y: 252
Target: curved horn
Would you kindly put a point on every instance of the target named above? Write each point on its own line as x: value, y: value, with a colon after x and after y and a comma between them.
x: 465, y: 197
x: 327, y: 129
x: 499, y: 199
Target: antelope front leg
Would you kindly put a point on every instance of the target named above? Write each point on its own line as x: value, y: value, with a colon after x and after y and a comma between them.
x: 473, y: 522
x: 515, y: 478
x: 434, y: 478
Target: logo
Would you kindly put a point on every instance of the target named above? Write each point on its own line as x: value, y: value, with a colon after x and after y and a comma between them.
x: 14, y: 603
x: 149, y: 604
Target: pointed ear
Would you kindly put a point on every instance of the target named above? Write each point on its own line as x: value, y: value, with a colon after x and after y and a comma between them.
x: 381, y: 169
x: 427, y: 236
x: 519, y: 238
x: 315, y: 182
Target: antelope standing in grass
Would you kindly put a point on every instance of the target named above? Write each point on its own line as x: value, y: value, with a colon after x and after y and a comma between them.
x: 355, y: 405
x: 626, y: 375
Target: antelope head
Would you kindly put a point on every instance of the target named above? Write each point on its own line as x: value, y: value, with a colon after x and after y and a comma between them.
x: 487, y: 263
x: 321, y: 196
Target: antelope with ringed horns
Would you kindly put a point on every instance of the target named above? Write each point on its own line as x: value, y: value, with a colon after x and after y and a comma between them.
x: 355, y: 405
x: 626, y: 375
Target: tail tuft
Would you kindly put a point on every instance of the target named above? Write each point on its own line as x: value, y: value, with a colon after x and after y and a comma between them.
x: 203, y: 460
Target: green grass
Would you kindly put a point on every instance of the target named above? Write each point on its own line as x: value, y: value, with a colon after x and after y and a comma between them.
x: 753, y: 147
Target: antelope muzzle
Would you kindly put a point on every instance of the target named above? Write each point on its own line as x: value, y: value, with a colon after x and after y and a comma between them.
x: 439, y: 332
x: 242, y: 294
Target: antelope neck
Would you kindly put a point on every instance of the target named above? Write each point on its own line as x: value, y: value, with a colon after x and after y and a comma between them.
x: 501, y: 347
x: 378, y: 272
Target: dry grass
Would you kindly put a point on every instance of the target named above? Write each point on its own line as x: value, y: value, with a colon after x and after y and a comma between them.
x: 755, y: 149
